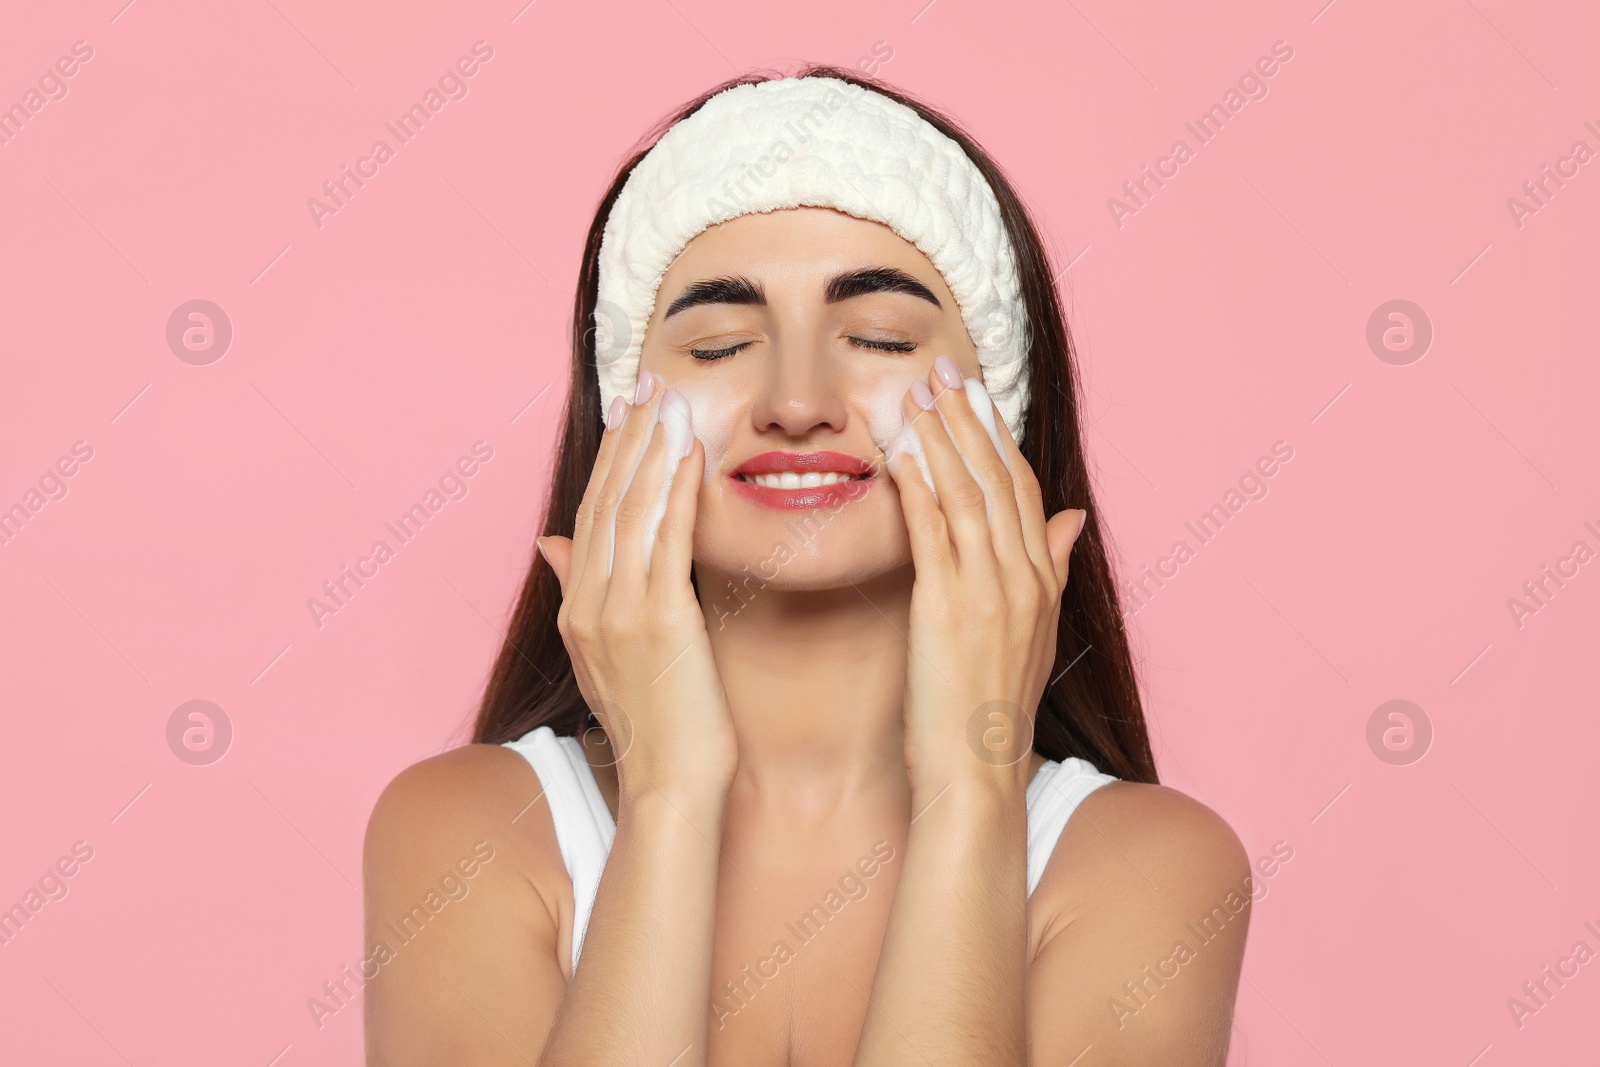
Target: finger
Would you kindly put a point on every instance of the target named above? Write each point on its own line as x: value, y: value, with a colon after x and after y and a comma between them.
x: 632, y: 438
x: 584, y: 522
x: 627, y: 583
x: 557, y: 551
x: 677, y: 431
x: 1063, y: 531
x: 673, y: 556
x: 988, y: 466
x: 1030, y: 500
x: 925, y: 522
x: 960, y: 496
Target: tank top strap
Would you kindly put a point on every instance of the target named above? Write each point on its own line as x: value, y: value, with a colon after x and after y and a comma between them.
x: 584, y: 826
x: 1053, y: 795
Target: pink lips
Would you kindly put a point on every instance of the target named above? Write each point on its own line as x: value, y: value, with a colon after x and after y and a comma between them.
x: 817, y: 496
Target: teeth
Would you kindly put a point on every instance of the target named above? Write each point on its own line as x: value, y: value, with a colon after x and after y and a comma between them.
x: 796, y: 480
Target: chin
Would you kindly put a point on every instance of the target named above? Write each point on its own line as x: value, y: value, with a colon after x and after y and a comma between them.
x: 798, y: 551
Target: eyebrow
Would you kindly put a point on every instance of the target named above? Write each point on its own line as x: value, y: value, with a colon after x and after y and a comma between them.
x: 737, y: 289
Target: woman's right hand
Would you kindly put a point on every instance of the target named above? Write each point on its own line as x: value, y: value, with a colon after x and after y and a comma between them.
x: 637, y: 640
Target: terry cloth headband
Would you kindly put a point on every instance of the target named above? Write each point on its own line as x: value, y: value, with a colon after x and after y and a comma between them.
x: 812, y: 142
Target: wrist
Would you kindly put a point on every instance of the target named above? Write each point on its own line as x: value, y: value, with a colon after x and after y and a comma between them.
x: 697, y: 794
x: 992, y: 748
x: 971, y: 794
x: 970, y: 762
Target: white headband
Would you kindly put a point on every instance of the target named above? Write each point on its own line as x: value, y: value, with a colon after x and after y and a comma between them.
x: 812, y: 142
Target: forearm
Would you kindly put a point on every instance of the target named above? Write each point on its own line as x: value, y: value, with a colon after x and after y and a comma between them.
x: 950, y: 981
x: 639, y: 995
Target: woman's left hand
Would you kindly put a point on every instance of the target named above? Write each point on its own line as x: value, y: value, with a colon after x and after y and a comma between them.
x: 987, y: 595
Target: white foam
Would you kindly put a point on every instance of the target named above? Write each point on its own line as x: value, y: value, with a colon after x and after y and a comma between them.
x: 713, y: 406
x: 978, y: 397
x: 893, y: 434
x: 888, y: 425
x: 675, y: 421
x: 707, y: 409
x: 983, y: 407
x: 611, y: 544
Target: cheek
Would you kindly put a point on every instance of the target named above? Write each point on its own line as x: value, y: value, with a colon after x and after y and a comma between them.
x: 884, y: 415
x: 713, y: 408
x: 887, y: 422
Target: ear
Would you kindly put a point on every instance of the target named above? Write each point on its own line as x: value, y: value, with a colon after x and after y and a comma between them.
x: 557, y: 551
x: 1061, y: 533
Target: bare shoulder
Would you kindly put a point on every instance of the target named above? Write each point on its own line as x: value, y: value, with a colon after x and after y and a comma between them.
x: 1142, y: 935
x: 1164, y: 822
x: 462, y: 898
x: 1132, y: 840
x: 476, y: 787
x: 480, y: 779
x: 435, y: 813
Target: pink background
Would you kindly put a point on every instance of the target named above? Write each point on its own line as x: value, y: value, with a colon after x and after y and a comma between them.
x: 1229, y: 313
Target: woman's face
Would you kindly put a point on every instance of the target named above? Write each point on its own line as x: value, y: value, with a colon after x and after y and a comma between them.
x: 793, y: 333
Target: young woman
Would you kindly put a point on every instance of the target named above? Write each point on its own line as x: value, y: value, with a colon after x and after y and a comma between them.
x: 809, y: 738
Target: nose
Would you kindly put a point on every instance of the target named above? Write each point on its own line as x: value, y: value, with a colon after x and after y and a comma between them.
x: 800, y: 392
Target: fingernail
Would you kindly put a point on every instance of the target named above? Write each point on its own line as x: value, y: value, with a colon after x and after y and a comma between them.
x: 615, y: 412
x: 921, y: 394
x: 538, y: 544
x: 945, y: 368
x: 646, y: 383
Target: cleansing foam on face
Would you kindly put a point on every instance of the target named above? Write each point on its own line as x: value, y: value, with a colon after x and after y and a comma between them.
x: 713, y: 407
x: 673, y: 419
x: 983, y: 406
x: 676, y: 422
x: 904, y: 438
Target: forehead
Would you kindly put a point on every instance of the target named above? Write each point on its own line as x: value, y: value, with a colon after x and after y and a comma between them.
x: 799, y: 246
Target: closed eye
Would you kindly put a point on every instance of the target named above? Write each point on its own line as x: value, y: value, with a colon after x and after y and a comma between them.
x: 712, y: 354
x: 884, y: 346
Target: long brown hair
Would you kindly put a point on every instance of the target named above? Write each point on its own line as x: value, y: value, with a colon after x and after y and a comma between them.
x: 1090, y: 708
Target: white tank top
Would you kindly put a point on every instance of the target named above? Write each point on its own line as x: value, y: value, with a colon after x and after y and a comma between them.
x: 585, y: 828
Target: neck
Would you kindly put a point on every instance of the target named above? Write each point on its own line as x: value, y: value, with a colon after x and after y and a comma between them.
x: 815, y: 681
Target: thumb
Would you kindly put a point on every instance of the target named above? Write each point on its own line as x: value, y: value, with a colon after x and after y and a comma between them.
x: 1061, y: 533
x: 557, y: 551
